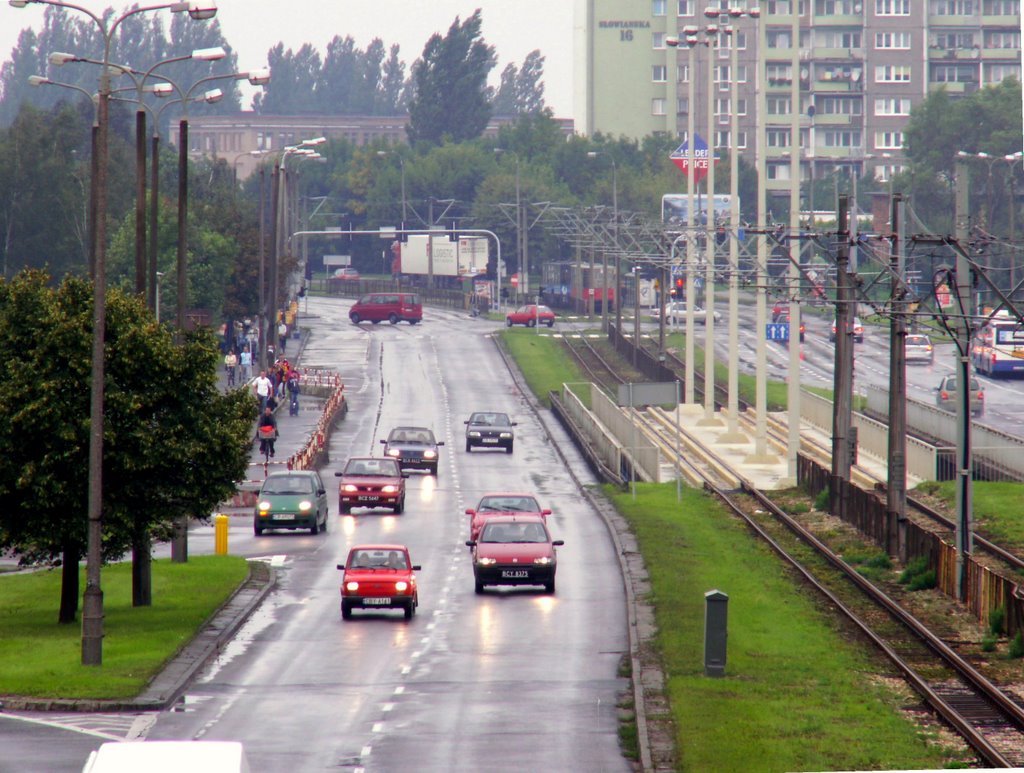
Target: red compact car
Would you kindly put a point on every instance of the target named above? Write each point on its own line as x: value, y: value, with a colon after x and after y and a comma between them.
x: 515, y: 550
x: 491, y: 505
x: 530, y: 315
x: 370, y: 481
x: 379, y: 577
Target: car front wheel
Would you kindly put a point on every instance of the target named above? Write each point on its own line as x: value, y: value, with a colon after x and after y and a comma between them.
x: 400, y: 506
x: 531, y: 322
x: 479, y: 587
x: 508, y: 448
x: 469, y: 446
x: 410, y: 609
x: 549, y: 586
x: 346, y: 609
x: 354, y: 318
x: 393, y: 318
x: 508, y: 322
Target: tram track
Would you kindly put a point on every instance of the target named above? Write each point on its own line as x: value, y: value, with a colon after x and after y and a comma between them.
x: 988, y: 718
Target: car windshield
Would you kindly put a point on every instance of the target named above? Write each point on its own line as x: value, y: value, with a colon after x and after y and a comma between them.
x: 513, y: 532
x: 508, y: 504
x: 917, y: 341
x: 388, y: 467
x: 950, y: 384
x: 378, y: 559
x: 287, y: 484
x: 490, y: 419
x: 411, y: 435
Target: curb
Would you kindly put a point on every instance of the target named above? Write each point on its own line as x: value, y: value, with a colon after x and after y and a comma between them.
x: 175, y: 677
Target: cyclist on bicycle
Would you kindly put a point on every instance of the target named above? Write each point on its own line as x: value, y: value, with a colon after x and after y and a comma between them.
x: 266, y: 432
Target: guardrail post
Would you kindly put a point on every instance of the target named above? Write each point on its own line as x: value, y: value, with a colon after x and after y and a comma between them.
x: 716, y: 618
x: 220, y: 534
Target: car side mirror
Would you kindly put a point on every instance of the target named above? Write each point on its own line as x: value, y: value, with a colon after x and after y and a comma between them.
x: 471, y: 543
x: 321, y: 491
x: 342, y: 567
x: 545, y: 512
x: 417, y: 568
x: 439, y: 443
x: 558, y: 542
x: 405, y: 474
x: 466, y: 421
x: 515, y: 424
x: 471, y: 512
x: 338, y: 474
x: 383, y: 441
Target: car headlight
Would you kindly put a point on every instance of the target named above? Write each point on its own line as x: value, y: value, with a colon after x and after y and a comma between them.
x: 264, y: 506
x: 473, y: 433
x: 350, y: 488
x: 389, y: 489
x: 305, y: 505
x: 487, y: 561
x: 401, y: 586
x: 506, y: 435
x: 352, y: 587
x: 543, y: 560
x: 429, y: 454
x: 394, y: 452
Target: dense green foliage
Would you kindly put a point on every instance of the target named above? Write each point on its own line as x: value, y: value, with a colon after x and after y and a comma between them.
x: 174, y: 444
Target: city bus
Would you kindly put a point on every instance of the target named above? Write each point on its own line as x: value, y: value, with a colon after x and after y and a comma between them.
x: 998, y: 348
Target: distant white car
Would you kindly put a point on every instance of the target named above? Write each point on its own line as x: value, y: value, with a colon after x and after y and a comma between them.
x: 675, y: 314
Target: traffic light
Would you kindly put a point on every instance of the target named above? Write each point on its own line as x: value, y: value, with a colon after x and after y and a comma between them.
x: 680, y: 284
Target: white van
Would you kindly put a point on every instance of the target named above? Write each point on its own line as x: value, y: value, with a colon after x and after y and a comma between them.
x: 168, y: 757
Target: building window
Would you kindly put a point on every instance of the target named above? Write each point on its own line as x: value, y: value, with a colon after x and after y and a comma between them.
x: 892, y: 73
x: 889, y: 140
x: 839, y: 105
x: 659, y: 73
x: 685, y: 8
x: 779, y: 74
x: 842, y: 138
x: 778, y: 105
x: 657, y: 107
x: 722, y: 107
x: 778, y: 171
x: 954, y: 73
x: 779, y: 39
x: 684, y: 73
x: 849, y: 39
x: 892, y: 7
x: 658, y: 7
x: 892, y: 40
x: 834, y: 7
x: 892, y: 106
x: 995, y: 73
x: 1002, y: 39
x: 952, y: 7
x: 658, y: 39
x: 1000, y: 7
x: 777, y: 138
x: 951, y: 40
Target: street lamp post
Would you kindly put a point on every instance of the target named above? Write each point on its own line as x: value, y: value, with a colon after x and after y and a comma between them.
x: 520, y: 267
x: 92, y: 600
x: 712, y: 31
x: 401, y: 163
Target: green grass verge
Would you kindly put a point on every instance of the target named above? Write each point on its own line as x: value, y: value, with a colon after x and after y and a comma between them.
x: 996, y: 508
x: 796, y: 695
x: 542, y: 361
x: 41, y: 658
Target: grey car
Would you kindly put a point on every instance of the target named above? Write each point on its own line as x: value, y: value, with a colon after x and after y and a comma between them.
x: 487, y: 429
x: 919, y: 349
x: 945, y: 395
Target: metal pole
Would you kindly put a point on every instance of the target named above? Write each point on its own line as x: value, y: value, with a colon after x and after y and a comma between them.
x: 140, y: 201
x: 843, y: 371
x: 615, y: 246
x: 709, y: 235
x: 260, y: 355
x: 154, y: 201
x: 733, y: 434
x: 964, y: 464
x: 691, y: 247
x: 896, y: 491
x: 179, y: 540
x: 793, y: 392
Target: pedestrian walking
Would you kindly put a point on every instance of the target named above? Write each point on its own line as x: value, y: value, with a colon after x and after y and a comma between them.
x: 230, y: 365
x: 282, y: 335
x: 266, y: 432
x: 245, y: 360
x: 263, y: 389
x: 293, y: 393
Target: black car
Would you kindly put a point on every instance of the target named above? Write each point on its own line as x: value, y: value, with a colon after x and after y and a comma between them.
x: 413, y: 447
x: 485, y: 429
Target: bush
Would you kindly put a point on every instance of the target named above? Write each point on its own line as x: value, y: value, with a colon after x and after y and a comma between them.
x: 917, y: 575
x: 997, y: 621
x: 1017, y: 646
x: 821, y: 501
x: 988, y: 643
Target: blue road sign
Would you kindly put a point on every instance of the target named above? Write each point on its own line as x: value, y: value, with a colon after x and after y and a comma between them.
x: 777, y: 331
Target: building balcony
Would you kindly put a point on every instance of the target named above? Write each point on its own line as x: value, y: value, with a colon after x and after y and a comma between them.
x: 821, y: 120
x: 954, y: 87
x: 1011, y: 55
x: 963, y: 22
x: 839, y: 54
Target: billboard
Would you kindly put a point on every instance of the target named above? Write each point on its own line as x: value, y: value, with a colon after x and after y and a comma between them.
x: 675, y: 206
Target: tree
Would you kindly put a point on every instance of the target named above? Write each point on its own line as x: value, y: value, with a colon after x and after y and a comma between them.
x: 521, y: 91
x: 293, y: 87
x: 173, y: 443
x: 449, y: 98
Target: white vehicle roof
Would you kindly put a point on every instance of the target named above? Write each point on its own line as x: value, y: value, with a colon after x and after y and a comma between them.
x: 168, y: 757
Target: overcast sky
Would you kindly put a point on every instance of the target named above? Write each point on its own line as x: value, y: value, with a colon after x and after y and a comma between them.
x: 252, y: 27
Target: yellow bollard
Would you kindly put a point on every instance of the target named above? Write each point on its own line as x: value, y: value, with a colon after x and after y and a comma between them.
x: 220, y: 535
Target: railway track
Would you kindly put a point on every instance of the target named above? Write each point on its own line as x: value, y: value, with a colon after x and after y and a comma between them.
x: 988, y: 718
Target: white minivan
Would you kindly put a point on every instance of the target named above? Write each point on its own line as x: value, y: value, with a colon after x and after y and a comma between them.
x: 168, y: 757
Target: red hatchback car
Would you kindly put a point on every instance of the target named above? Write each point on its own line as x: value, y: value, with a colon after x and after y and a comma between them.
x: 379, y: 577
x: 370, y: 481
x: 530, y: 315
x: 491, y: 505
x: 515, y: 550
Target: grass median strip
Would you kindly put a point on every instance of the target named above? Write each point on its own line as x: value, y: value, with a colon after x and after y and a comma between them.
x: 796, y: 695
x: 43, y: 659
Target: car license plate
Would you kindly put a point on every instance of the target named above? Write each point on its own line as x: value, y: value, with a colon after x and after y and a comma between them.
x: 284, y: 517
x: 370, y: 499
x: 377, y: 601
x: 490, y: 440
x: 514, y: 574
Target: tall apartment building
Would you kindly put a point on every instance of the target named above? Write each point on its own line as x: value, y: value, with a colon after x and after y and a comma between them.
x: 863, y: 64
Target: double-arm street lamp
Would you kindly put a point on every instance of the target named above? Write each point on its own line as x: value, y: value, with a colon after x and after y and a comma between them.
x: 92, y: 602
x: 521, y: 267
x: 401, y: 164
